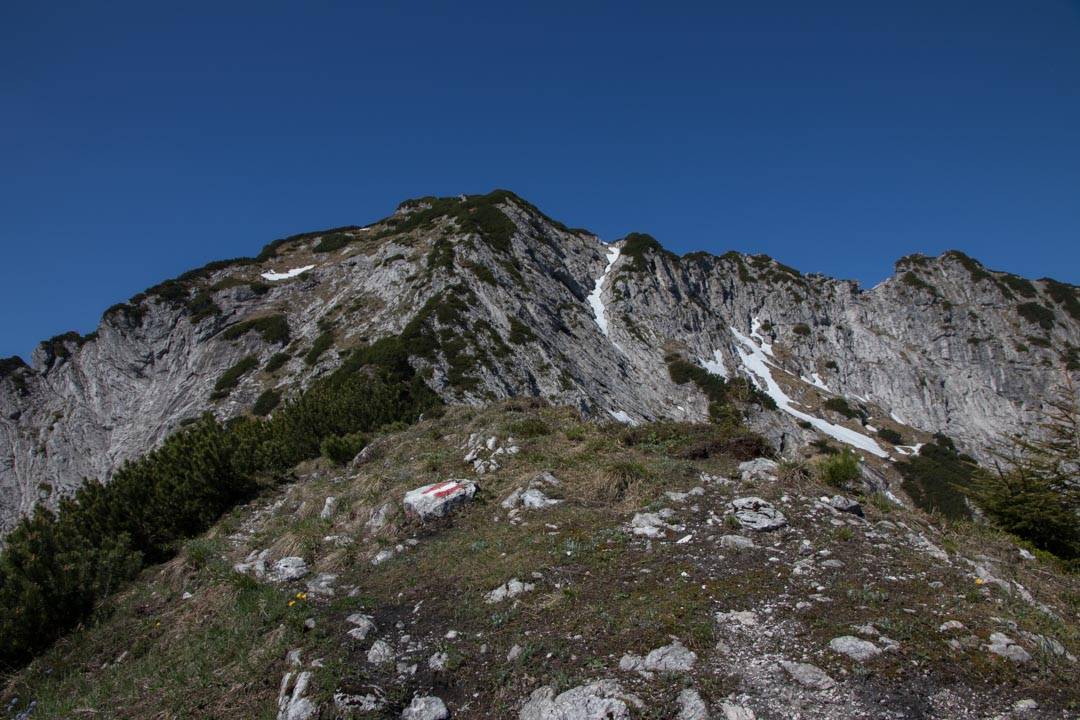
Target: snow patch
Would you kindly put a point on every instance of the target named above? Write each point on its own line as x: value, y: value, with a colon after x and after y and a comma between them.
x: 287, y: 274
x: 909, y: 449
x: 594, y: 297
x: 622, y: 417
x: 716, y: 365
x: 755, y: 361
x: 816, y: 381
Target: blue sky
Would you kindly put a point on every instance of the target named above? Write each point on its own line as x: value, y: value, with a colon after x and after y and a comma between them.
x: 138, y: 140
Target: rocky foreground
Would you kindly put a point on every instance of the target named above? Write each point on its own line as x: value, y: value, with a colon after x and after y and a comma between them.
x: 518, y: 562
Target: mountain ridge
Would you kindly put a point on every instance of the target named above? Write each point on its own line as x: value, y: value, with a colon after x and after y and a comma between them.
x: 968, y: 352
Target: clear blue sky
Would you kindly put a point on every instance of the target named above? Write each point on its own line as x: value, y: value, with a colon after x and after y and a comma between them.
x: 137, y: 141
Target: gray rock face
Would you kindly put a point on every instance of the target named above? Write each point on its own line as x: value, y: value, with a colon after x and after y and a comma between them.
x: 943, y: 345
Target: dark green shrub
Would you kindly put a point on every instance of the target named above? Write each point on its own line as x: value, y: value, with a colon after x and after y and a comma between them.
x: 273, y: 328
x: 266, y: 402
x: 340, y: 449
x: 520, y: 332
x: 840, y: 405
x: 331, y: 242
x: 890, y: 436
x: 276, y: 361
x: 1036, y: 313
x: 322, y: 344
x: 56, y: 568
x: 640, y: 248
x: 1067, y: 296
x: 528, y: 428
x: 939, y: 478
x: 838, y: 469
x: 1019, y: 285
x: 973, y: 266
x: 202, y: 306
x: 913, y: 280
x: 231, y: 377
x: 483, y: 272
x: 801, y: 329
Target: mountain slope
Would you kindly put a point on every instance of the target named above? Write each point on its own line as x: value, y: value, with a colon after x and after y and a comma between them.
x: 631, y: 577
x: 494, y: 299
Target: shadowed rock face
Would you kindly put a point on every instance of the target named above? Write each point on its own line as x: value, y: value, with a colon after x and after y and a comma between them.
x: 943, y: 346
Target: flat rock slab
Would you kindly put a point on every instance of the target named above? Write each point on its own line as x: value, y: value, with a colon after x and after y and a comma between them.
x: 438, y: 499
x: 737, y: 542
x: 855, y: 648
x: 670, y: 658
x: 756, y: 514
x: 1006, y: 647
x: 808, y: 675
x: 758, y: 469
x: 600, y: 700
x: 289, y: 568
x: 691, y: 706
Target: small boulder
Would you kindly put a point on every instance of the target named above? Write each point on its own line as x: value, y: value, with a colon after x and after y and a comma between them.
x: 437, y: 500
x: 854, y: 648
x: 427, y: 707
x: 289, y: 568
x: 380, y: 653
x: 808, y: 675
x: 843, y: 504
x: 1005, y: 646
x: 758, y: 470
x: 600, y: 700
x: 691, y: 706
x: 363, y: 625
x: 670, y: 658
x: 511, y: 588
x: 758, y: 515
x: 737, y: 542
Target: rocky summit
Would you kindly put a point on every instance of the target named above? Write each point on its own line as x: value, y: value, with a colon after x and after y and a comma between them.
x: 467, y: 462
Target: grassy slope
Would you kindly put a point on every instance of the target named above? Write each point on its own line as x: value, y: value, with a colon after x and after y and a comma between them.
x: 221, y: 653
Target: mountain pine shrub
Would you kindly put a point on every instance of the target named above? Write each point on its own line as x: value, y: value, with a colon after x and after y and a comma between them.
x: 1034, y: 490
x: 57, y: 567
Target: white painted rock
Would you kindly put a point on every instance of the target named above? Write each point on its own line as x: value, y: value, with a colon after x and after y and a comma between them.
x: 437, y: 500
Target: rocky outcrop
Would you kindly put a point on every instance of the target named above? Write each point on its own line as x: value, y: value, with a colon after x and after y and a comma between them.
x: 524, y: 306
